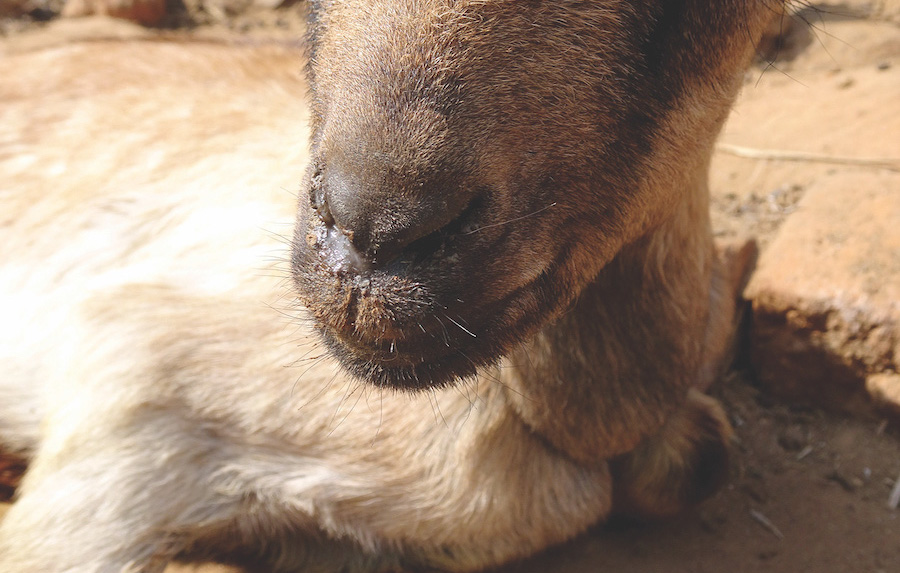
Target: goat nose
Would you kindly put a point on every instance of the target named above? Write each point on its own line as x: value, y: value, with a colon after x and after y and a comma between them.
x: 381, y: 216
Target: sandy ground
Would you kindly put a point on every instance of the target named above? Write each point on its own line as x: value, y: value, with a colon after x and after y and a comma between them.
x: 809, y: 489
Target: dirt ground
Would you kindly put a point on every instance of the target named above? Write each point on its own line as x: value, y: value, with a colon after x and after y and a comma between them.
x: 809, y: 490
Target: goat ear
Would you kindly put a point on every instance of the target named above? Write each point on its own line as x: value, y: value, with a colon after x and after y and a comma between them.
x: 686, y: 462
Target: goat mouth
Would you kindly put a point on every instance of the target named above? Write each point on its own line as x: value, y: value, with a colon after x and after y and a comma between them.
x: 409, y: 348
x: 426, y: 318
x: 438, y: 350
x: 435, y: 360
x: 405, y: 371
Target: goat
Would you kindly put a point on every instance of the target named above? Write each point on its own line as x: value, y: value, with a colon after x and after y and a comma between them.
x: 507, y: 300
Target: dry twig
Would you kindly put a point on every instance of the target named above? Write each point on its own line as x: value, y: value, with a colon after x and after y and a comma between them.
x: 786, y: 155
x: 894, y: 498
x: 764, y: 521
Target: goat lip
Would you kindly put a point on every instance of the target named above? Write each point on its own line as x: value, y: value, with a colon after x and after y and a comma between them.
x: 429, y: 354
x: 402, y: 332
x: 411, y: 370
x: 409, y: 345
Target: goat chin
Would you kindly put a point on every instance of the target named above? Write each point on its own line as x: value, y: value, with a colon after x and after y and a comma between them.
x: 191, y: 371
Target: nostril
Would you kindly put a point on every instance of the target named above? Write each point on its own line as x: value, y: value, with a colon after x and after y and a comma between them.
x: 324, y: 212
x: 319, y: 201
x: 383, y: 213
x: 340, y: 254
x: 351, y: 203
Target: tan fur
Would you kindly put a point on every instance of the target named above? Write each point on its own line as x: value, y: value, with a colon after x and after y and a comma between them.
x: 174, y: 399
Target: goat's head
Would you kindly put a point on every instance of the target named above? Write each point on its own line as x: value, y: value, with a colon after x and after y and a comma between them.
x: 475, y: 163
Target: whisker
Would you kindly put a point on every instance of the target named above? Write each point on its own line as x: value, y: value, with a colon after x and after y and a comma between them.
x: 380, y: 415
x: 324, y: 387
x: 362, y: 389
x: 437, y: 406
x: 349, y: 389
x: 463, y: 328
x: 444, y: 331
x: 483, y: 227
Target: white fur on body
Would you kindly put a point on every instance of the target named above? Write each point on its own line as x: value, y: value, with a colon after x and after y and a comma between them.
x: 149, y: 372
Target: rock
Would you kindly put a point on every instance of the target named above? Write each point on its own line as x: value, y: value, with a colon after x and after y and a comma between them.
x: 146, y: 12
x: 885, y: 390
x: 826, y: 296
x: 13, y: 8
x: 792, y: 439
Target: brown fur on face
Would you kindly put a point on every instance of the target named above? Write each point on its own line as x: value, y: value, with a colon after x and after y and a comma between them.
x: 477, y: 163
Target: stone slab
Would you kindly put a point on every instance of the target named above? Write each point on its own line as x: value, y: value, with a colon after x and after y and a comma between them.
x: 826, y: 296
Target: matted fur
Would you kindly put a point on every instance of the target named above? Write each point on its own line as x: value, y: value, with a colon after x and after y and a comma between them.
x: 518, y: 179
